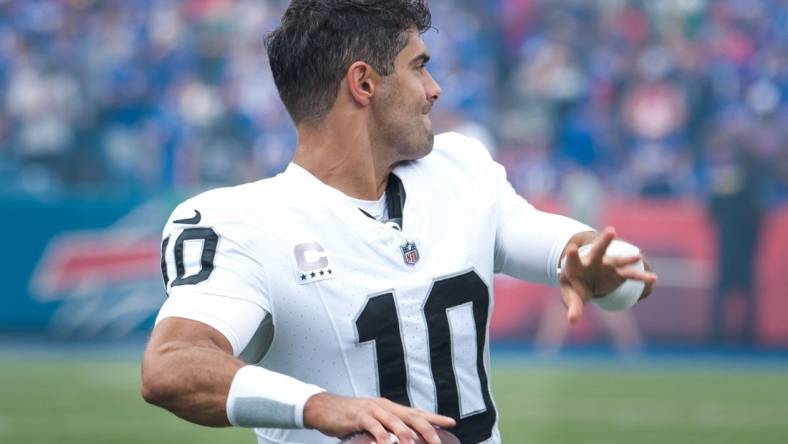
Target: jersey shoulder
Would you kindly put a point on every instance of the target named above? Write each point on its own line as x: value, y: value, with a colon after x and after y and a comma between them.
x: 458, y: 158
x: 453, y: 151
x: 220, y: 206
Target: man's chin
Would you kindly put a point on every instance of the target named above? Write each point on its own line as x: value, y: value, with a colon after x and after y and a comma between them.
x: 418, y: 151
x: 427, y: 147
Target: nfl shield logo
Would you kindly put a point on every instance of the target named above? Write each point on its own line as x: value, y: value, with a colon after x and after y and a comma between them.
x: 410, y: 253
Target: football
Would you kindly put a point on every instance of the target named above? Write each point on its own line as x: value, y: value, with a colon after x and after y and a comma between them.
x: 628, y: 293
x: 366, y: 438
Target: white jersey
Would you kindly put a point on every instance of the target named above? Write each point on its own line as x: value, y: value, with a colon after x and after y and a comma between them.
x: 302, y: 282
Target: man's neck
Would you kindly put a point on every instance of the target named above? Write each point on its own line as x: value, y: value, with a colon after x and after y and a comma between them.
x: 343, y: 157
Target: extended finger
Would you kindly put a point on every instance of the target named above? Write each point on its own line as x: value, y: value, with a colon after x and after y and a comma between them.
x: 423, y: 422
x: 572, y: 258
x: 573, y: 302
x: 420, y: 424
x: 396, y: 425
x: 441, y: 421
x: 599, y: 247
x: 621, y: 261
x: 405, y: 411
x: 645, y: 276
x: 376, y: 429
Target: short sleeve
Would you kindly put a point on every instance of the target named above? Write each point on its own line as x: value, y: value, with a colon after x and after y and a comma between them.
x: 237, y: 320
x: 208, y: 250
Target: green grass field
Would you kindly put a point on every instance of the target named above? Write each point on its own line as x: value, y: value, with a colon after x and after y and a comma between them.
x: 75, y: 402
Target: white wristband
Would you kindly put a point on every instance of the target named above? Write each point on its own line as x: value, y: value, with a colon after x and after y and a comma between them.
x: 262, y: 398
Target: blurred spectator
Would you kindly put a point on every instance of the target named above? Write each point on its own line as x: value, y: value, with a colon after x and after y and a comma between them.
x: 629, y: 89
x: 142, y: 95
x: 736, y: 209
x: 149, y: 94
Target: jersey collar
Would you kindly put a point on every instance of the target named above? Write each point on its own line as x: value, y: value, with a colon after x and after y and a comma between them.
x: 326, y: 195
x: 339, y: 201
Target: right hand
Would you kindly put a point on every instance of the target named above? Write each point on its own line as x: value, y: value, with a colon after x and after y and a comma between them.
x: 341, y: 416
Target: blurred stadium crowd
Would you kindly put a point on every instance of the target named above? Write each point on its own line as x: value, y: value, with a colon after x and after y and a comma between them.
x: 664, y: 98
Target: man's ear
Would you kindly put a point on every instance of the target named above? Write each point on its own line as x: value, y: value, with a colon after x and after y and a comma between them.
x: 361, y: 81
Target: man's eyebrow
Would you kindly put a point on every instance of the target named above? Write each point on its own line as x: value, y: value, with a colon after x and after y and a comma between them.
x: 420, y: 59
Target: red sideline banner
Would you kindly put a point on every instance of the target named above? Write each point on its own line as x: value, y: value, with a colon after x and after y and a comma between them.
x: 79, y: 277
x: 679, y: 240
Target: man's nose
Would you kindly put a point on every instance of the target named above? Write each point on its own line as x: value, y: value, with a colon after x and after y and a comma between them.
x: 434, y: 90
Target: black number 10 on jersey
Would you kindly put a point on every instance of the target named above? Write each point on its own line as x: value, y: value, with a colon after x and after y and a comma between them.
x: 209, y: 240
x: 379, y: 322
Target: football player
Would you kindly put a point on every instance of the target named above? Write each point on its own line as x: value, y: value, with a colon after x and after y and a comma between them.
x: 353, y: 291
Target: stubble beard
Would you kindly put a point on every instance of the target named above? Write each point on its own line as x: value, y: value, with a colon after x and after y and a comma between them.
x: 404, y: 135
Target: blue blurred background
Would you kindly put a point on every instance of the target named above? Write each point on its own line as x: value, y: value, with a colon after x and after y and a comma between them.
x: 143, y: 96
x: 667, y: 119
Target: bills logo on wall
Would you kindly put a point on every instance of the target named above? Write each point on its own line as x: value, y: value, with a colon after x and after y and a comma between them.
x: 107, y: 282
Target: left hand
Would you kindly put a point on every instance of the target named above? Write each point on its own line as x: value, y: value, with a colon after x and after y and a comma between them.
x: 596, y: 274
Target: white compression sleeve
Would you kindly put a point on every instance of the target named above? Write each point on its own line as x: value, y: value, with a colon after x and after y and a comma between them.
x: 529, y: 243
x: 262, y: 398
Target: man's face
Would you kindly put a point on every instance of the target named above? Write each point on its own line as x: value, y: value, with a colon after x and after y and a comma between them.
x: 401, y: 109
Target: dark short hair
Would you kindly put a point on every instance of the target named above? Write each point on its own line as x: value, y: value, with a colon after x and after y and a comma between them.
x: 317, y: 41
